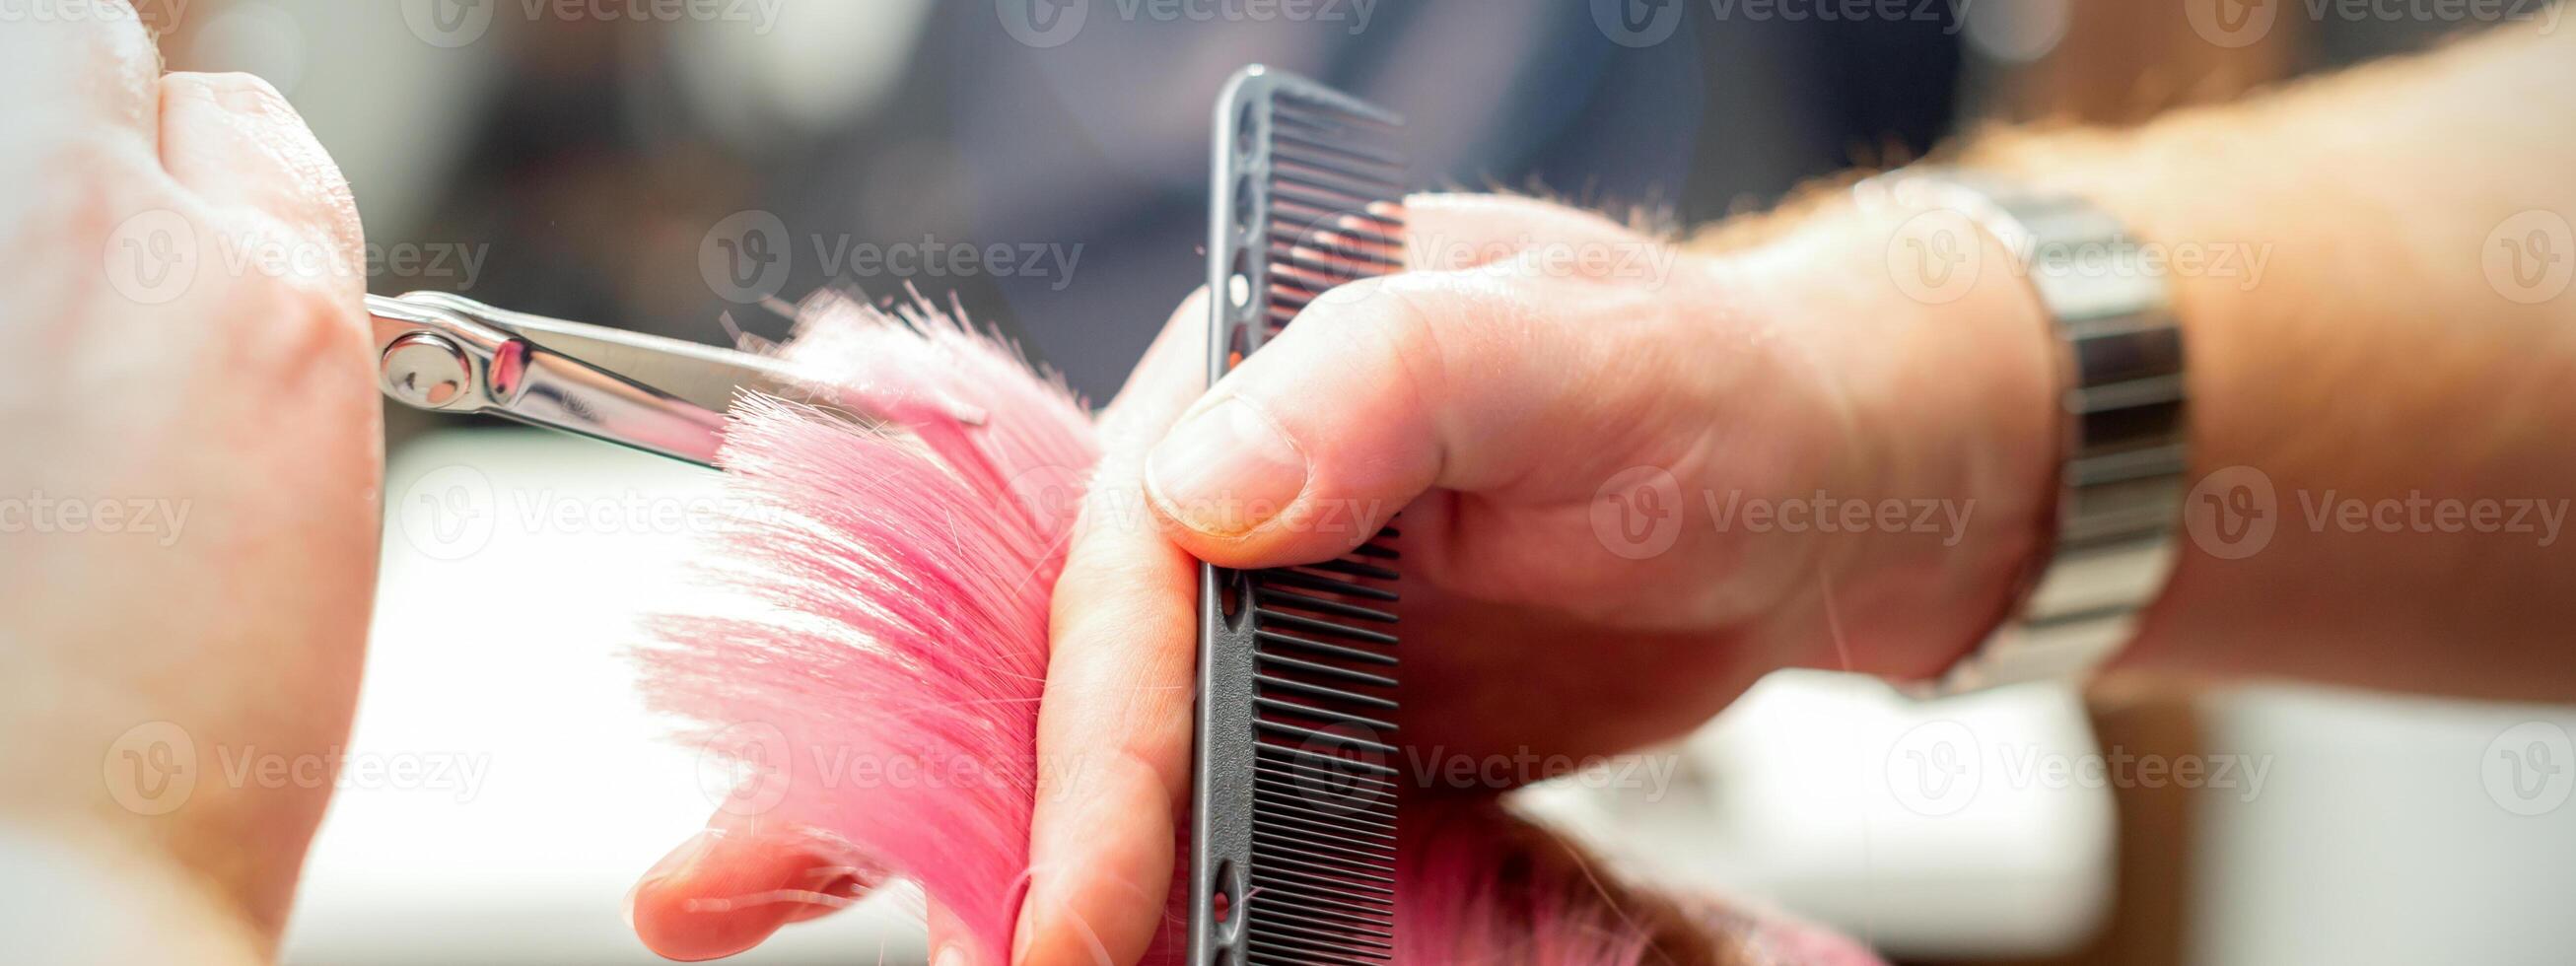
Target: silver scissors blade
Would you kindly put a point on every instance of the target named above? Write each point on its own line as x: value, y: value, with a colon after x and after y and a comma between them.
x: 447, y: 353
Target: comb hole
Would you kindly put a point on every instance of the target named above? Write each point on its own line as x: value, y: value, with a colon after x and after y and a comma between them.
x: 1247, y: 128
x: 1238, y: 287
x: 1238, y: 344
x: 1246, y: 214
x: 1229, y: 598
x: 1221, y: 905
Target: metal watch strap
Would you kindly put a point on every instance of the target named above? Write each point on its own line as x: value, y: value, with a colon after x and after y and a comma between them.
x: 2120, y: 480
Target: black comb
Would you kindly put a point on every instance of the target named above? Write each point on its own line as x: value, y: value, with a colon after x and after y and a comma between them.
x: 1293, y: 837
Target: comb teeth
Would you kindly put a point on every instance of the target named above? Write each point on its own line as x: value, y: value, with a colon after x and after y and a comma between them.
x: 1294, y: 836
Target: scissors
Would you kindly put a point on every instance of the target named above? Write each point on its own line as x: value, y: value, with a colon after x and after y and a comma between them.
x: 450, y: 354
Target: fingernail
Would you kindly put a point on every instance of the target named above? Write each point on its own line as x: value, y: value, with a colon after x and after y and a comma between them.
x: 953, y: 955
x: 1226, y: 470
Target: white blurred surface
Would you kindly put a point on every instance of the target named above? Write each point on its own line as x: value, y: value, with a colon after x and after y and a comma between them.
x: 514, y: 564
x: 2347, y: 828
x: 2395, y: 832
x: 1926, y: 829
x: 823, y: 68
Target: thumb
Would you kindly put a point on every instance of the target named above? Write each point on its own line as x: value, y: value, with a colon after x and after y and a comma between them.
x: 1509, y: 384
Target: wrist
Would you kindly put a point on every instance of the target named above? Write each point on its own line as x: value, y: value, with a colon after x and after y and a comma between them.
x: 2121, y: 404
x: 1947, y: 365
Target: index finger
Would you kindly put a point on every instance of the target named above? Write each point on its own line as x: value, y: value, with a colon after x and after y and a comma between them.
x: 1114, y: 725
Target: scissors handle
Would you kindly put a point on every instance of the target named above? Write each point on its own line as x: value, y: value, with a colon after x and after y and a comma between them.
x: 445, y: 353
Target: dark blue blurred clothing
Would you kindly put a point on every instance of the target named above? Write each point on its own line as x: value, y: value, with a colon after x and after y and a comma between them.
x: 1099, y: 147
x: 1102, y: 141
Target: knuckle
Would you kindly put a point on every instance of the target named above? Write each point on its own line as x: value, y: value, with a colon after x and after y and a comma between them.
x: 316, y: 322
x: 301, y: 307
x: 1153, y: 763
x: 1114, y: 599
x: 1419, y: 332
x: 1411, y: 335
x: 1371, y: 317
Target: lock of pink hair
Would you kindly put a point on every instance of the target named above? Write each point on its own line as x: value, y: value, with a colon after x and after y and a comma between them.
x: 887, y: 699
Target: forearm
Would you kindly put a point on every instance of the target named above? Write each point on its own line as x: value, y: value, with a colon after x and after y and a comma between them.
x: 2359, y: 340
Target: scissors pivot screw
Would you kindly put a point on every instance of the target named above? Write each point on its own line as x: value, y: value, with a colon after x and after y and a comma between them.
x: 425, y: 370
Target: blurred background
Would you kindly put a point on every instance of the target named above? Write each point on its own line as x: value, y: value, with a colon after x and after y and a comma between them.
x: 675, y: 165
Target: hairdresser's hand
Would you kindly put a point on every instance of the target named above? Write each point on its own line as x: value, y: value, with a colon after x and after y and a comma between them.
x: 189, y: 466
x: 1580, y: 424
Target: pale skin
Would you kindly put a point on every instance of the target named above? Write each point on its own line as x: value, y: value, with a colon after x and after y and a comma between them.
x: 1494, y: 393
x: 245, y: 396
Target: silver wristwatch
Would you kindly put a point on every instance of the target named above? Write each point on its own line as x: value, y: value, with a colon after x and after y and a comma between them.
x: 2121, y: 471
